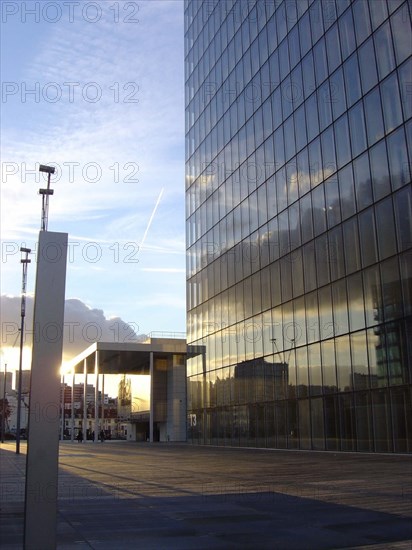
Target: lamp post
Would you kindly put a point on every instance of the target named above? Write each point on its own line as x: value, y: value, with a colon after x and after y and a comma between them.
x: 24, y: 261
x: 45, y: 193
x: 3, y: 415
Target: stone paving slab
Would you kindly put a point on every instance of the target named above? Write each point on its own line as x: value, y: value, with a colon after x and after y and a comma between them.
x: 123, y: 495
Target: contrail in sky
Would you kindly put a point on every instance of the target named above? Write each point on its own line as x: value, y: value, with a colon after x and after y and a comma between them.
x: 151, y: 217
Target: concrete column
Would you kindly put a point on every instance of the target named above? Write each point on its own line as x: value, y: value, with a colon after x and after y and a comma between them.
x: 84, y: 427
x: 62, y: 408
x: 102, y: 417
x: 96, y: 397
x: 40, y: 514
x: 151, y: 398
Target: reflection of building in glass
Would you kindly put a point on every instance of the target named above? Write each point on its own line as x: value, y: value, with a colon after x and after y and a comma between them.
x: 299, y: 223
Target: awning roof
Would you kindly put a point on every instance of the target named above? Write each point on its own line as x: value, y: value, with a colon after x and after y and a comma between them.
x: 125, y: 358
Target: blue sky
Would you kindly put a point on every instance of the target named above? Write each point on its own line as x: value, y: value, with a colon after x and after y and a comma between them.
x: 96, y: 89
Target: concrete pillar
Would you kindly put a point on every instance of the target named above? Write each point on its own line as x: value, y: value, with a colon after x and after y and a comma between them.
x: 62, y: 408
x: 96, y: 397
x: 84, y: 427
x: 40, y: 515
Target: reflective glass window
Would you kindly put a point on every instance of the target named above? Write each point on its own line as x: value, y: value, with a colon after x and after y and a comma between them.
x: 324, y: 105
x: 357, y: 129
x: 277, y: 108
x: 318, y: 209
x: 289, y: 133
x: 333, y: 48
x: 328, y: 152
x: 391, y: 290
x: 321, y: 64
x: 362, y: 21
x: 398, y: 159
x: 312, y: 317
x: 372, y: 295
x: 367, y: 65
x: 351, y: 243
x: 406, y: 278
x: 292, y: 181
x: 347, y: 34
x: 378, y: 11
x: 305, y: 34
x: 275, y: 283
x: 355, y: 302
x: 308, y: 71
x: 391, y: 102
x: 328, y: 366
x: 274, y: 68
x: 367, y: 235
x: 336, y: 253
x: 347, y: 191
x: 401, y: 32
x: 284, y: 59
x: 312, y: 122
x: 316, y: 20
x: 315, y: 369
x: 315, y: 163
x: 279, y: 147
x: 343, y: 152
x: 297, y: 272
x: 343, y: 363
x: 332, y: 201
x: 341, y: 6
x: 309, y: 266
x: 379, y: 170
x: 325, y: 312
x: 377, y: 357
x: 374, y: 120
x: 303, y: 171
x: 363, y: 187
x: 360, y: 364
x: 294, y: 49
x: 300, y: 128
x: 352, y: 79
x: 405, y: 78
x: 386, y: 230
x: 340, y: 307
x: 403, y: 215
x: 322, y: 260
x: 384, y: 52
x: 306, y: 217
x: 281, y: 189
x: 337, y: 93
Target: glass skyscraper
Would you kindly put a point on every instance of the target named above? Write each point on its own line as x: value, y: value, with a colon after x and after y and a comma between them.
x: 299, y: 223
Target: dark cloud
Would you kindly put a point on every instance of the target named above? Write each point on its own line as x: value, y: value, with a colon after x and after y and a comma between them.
x: 82, y: 325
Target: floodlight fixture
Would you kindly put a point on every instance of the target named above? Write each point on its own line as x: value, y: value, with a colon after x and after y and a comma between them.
x: 45, y: 193
x: 47, y: 169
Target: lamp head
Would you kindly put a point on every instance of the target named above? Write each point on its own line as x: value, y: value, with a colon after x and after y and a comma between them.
x: 47, y: 169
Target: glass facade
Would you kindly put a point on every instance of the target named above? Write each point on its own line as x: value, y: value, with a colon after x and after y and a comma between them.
x: 299, y: 223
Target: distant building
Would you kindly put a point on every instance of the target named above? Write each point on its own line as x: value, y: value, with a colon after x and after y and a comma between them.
x: 9, y: 382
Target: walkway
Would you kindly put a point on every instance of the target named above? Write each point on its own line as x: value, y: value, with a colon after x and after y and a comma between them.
x: 122, y: 495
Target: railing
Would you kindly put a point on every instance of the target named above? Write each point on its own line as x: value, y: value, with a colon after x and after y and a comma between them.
x: 160, y: 334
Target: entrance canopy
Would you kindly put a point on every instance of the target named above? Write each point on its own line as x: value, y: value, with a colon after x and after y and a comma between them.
x: 124, y: 358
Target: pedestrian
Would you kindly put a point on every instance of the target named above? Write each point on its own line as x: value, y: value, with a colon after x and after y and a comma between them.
x: 80, y: 437
x: 102, y: 437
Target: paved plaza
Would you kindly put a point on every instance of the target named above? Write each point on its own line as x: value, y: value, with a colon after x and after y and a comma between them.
x: 122, y: 495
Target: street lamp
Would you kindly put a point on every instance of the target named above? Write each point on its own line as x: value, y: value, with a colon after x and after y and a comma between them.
x: 3, y: 416
x: 24, y: 261
x: 45, y: 193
